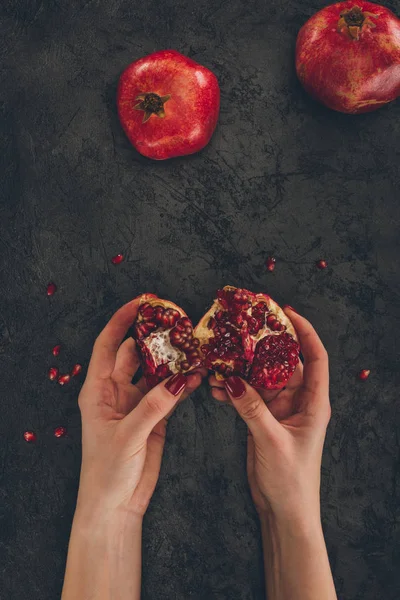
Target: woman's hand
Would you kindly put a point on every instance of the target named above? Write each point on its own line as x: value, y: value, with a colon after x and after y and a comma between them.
x: 285, y: 442
x: 287, y: 432
x: 123, y: 425
x: 123, y: 435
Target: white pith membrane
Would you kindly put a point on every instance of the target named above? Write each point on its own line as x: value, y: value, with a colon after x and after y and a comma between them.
x: 267, y: 345
x: 162, y: 351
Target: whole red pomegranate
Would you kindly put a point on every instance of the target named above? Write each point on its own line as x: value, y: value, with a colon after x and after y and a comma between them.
x: 348, y: 56
x: 168, y: 104
x: 243, y: 334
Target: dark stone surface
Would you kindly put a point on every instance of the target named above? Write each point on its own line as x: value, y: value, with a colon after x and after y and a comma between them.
x: 282, y: 176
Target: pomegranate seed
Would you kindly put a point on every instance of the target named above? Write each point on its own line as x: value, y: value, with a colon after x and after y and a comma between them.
x: 270, y: 263
x: 51, y: 288
x: 364, y: 374
x: 116, y: 260
x: 60, y: 432
x: 30, y: 436
x: 321, y: 264
x: 53, y: 373
x: 56, y: 350
x: 76, y: 369
x: 63, y: 379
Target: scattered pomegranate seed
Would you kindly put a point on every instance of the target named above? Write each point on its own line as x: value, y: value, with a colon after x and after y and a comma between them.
x: 63, y: 379
x: 321, y: 264
x: 53, y: 373
x: 76, y: 369
x: 60, y: 432
x: 51, y: 288
x: 270, y: 263
x: 29, y: 436
x: 56, y: 350
x: 116, y: 260
x: 364, y: 374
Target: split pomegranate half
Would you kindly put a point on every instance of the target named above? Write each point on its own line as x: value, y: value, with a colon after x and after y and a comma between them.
x: 243, y: 334
x: 165, y: 338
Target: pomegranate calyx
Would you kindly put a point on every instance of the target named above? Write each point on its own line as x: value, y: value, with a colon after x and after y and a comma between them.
x: 151, y: 104
x: 353, y: 21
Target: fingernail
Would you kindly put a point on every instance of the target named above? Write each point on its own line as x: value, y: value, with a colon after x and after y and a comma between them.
x: 176, y: 384
x: 235, y: 386
x: 291, y: 308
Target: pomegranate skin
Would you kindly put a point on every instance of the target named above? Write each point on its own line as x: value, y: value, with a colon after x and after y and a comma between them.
x: 350, y: 63
x: 186, y: 109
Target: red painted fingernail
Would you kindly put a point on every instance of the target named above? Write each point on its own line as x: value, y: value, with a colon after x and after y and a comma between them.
x: 291, y: 308
x: 235, y: 386
x: 176, y: 384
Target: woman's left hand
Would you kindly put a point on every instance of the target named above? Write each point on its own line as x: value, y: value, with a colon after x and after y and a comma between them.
x: 123, y: 425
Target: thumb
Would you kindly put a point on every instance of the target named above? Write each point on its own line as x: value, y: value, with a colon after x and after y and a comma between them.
x: 156, y: 405
x: 251, y: 407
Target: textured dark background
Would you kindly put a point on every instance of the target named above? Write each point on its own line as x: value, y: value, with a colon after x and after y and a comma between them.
x: 282, y: 176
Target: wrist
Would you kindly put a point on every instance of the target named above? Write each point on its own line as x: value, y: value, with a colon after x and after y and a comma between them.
x: 104, y: 521
x: 296, y: 521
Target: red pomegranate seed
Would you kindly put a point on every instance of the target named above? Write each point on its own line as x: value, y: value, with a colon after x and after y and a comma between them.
x: 76, y: 369
x: 63, y: 379
x: 364, y: 374
x: 60, y: 432
x: 270, y: 263
x: 53, y: 373
x: 29, y: 436
x: 51, y: 288
x: 321, y: 264
x: 56, y: 350
x: 116, y: 260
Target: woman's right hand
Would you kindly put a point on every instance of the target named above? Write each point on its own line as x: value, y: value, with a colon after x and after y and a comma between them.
x: 286, y: 434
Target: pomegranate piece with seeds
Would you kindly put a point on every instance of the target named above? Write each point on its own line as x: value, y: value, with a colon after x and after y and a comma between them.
x: 243, y: 334
x: 56, y: 350
x: 165, y: 338
x: 364, y: 374
x: 76, y: 369
x: 117, y: 259
x: 51, y: 288
x: 60, y: 432
x: 321, y: 264
x: 270, y: 263
x: 53, y: 373
x: 249, y: 335
x: 30, y: 436
x: 63, y: 379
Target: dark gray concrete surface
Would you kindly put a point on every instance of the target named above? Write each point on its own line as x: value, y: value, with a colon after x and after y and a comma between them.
x: 282, y: 176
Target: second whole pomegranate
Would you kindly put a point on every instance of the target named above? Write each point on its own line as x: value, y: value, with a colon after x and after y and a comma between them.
x: 348, y: 56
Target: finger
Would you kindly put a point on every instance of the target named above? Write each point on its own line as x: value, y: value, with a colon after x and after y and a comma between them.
x: 282, y: 407
x: 316, y: 367
x: 214, y: 382
x: 220, y: 395
x: 106, y: 345
x: 142, y: 385
x: 156, y: 405
x: 126, y: 363
x: 152, y: 465
x: 193, y: 382
x: 296, y: 379
x: 251, y: 407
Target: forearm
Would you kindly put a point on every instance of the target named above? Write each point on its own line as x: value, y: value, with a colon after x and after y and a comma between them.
x: 104, y: 558
x: 295, y: 559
